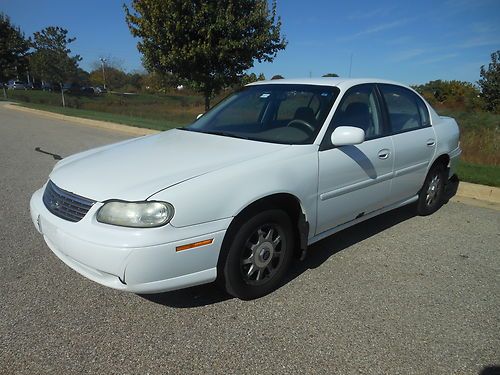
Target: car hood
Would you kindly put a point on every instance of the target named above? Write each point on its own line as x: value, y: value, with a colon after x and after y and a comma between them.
x: 136, y: 169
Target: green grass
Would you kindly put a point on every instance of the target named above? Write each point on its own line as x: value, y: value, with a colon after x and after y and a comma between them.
x: 479, y: 136
x: 141, y: 122
x: 479, y: 174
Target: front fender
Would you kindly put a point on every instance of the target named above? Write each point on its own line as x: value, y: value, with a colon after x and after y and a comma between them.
x: 226, y: 192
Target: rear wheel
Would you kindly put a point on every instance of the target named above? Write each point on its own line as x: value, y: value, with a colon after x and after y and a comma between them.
x: 431, y: 196
x: 259, y: 255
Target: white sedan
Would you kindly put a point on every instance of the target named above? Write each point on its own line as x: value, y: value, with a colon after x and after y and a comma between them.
x: 236, y: 195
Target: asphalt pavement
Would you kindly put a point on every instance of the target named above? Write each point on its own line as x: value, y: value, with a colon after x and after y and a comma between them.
x: 397, y: 294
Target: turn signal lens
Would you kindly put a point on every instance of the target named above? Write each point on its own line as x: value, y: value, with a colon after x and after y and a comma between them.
x: 195, y: 244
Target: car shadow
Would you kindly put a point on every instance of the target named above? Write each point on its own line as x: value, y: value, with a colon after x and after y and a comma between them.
x: 317, y: 254
x: 195, y: 296
x: 490, y: 370
x: 322, y: 250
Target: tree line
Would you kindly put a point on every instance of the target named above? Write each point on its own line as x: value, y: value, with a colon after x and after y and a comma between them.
x: 205, y: 45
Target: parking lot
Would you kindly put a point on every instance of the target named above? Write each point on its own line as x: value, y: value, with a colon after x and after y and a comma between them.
x: 397, y: 294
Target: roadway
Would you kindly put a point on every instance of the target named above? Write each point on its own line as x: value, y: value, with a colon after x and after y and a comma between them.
x: 396, y: 294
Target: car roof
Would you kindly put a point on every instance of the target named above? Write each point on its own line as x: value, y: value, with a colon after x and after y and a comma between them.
x: 341, y: 83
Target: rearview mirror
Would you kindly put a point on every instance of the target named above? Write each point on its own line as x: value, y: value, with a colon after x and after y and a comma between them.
x: 347, y: 135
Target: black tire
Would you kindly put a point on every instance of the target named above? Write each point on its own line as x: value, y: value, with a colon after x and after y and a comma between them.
x: 431, y: 196
x: 253, y: 244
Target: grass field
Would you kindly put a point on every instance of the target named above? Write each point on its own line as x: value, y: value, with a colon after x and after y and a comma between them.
x: 479, y: 136
x: 174, y: 108
x: 142, y: 122
x: 480, y: 131
x: 479, y: 174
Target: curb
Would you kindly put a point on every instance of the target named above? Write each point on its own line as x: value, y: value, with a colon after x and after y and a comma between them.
x: 480, y: 192
x: 88, y: 122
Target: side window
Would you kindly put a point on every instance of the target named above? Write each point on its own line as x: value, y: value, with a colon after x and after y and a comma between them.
x: 424, y: 112
x: 359, y: 107
x: 406, y: 110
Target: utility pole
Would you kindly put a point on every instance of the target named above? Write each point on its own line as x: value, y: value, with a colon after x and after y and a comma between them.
x: 103, y: 61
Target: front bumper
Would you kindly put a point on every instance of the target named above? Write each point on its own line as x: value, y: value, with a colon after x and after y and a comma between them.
x: 131, y: 259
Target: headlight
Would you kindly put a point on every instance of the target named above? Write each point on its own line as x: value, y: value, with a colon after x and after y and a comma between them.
x: 136, y: 214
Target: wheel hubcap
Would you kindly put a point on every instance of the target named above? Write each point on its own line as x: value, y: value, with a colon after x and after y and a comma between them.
x: 262, y: 254
x: 432, y: 190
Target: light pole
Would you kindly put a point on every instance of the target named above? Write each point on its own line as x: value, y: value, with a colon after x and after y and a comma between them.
x: 103, y: 75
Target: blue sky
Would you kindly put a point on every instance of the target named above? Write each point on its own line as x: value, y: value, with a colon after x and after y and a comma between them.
x: 407, y: 41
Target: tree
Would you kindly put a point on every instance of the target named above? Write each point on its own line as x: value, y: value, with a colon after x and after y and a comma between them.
x: 451, y: 94
x: 331, y: 75
x: 277, y: 76
x: 209, y: 43
x: 13, y: 50
x: 248, y: 78
x: 115, y: 78
x: 490, y: 83
x: 51, y: 60
x: 81, y: 77
x: 159, y: 82
x: 135, y: 80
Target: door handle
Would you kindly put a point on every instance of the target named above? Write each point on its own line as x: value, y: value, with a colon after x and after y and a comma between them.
x: 431, y: 142
x: 384, y: 154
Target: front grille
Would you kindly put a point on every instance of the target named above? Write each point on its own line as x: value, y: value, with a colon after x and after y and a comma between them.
x: 66, y: 205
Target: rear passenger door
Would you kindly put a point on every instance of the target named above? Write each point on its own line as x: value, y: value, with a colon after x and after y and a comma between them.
x: 413, y: 138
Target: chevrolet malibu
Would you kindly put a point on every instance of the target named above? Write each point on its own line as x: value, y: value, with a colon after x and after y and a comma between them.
x: 239, y: 193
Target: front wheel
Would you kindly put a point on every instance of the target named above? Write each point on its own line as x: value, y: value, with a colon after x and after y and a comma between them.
x: 259, y: 255
x: 431, y: 196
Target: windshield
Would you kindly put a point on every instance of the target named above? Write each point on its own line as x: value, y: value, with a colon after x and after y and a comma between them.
x: 278, y: 113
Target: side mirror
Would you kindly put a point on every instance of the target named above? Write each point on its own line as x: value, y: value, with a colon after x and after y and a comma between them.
x: 197, y: 117
x: 347, y: 135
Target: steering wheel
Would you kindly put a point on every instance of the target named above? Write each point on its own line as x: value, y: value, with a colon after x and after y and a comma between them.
x: 301, y: 124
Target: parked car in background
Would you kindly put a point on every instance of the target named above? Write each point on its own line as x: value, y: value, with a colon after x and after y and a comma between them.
x: 47, y: 86
x: 234, y: 196
x: 87, y: 91
x: 37, y: 85
x: 72, y: 88
x: 100, y: 90
x: 16, y: 85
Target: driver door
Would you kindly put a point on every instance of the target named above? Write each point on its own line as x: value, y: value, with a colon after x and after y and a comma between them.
x: 355, y: 180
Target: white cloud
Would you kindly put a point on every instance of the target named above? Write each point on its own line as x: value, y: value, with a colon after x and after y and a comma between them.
x: 375, y: 29
x: 377, y: 12
x: 439, y: 58
x: 478, y: 41
x: 408, y: 54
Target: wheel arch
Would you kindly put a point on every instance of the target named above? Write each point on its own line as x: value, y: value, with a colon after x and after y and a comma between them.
x: 284, y: 201
x: 443, y: 159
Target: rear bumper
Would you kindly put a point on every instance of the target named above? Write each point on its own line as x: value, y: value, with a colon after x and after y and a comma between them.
x: 134, y: 260
x: 454, y: 158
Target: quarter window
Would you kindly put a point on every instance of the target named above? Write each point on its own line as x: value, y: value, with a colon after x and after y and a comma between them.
x: 406, y: 110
